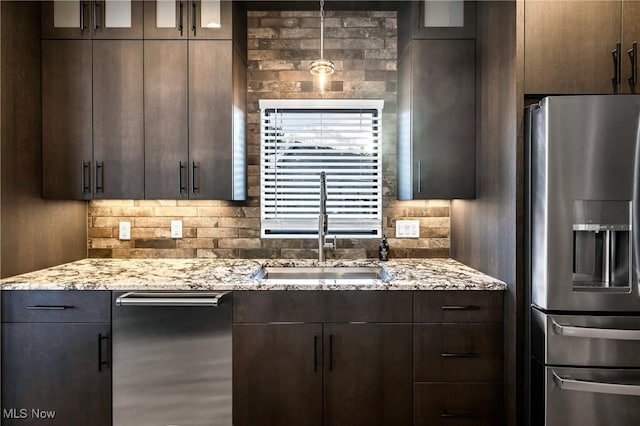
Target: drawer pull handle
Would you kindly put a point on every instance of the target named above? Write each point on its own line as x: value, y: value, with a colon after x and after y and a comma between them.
x: 457, y: 355
x: 448, y: 413
x: 458, y: 308
x: 48, y: 307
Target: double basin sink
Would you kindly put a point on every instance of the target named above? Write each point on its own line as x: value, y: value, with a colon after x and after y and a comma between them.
x: 310, y: 275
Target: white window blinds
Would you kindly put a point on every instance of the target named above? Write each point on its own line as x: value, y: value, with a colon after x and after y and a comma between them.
x: 302, y: 138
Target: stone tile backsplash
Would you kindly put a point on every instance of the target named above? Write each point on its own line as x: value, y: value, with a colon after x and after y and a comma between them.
x: 281, y: 45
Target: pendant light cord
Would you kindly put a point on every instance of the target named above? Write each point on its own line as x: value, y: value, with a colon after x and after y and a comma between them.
x: 321, y: 29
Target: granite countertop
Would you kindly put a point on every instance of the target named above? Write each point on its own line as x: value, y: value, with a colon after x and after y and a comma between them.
x: 235, y: 274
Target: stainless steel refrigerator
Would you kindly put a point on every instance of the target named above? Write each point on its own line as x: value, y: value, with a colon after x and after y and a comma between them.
x: 582, y: 259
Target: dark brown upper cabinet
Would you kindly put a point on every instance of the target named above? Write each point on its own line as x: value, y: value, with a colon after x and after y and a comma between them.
x: 105, y: 19
x: 195, y: 108
x: 93, y: 135
x: 67, y: 130
x: 436, y: 99
x: 156, y: 118
x: 436, y: 120
x: 194, y: 141
x: 581, y: 47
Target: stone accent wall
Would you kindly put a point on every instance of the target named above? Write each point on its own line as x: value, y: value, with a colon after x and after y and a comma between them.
x: 281, y: 45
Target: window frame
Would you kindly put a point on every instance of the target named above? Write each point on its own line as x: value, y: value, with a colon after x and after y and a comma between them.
x: 342, y: 227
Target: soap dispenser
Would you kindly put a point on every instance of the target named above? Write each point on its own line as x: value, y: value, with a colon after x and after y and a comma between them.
x: 383, y: 249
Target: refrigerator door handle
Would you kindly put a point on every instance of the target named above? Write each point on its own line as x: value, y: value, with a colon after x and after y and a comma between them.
x: 595, y: 333
x: 635, y: 216
x: 595, y: 387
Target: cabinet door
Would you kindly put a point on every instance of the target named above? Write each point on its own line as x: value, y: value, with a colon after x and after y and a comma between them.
x: 442, y: 19
x: 66, y: 119
x: 443, y: 119
x: 69, y: 19
x: 165, y: 19
x: 568, y: 46
x: 210, y: 19
x: 66, y: 19
x: 165, y: 119
x: 118, y: 138
x: 368, y: 374
x: 277, y: 374
x: 117, y: 19
x: 630, y: 35
x: 56, y: 374
x: 210, y: 120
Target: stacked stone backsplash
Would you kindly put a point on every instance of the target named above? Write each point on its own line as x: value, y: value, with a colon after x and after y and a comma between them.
x: 281, y: 44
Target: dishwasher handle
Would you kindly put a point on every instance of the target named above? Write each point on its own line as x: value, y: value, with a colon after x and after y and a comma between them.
x: 194, y: 298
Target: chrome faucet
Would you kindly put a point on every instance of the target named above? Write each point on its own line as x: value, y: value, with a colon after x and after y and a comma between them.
x: 323, y: 222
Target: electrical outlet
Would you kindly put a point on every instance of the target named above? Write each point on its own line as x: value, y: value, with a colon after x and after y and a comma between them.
x: 407, y: 229
x: 125, y: 231
x: 176, y: 229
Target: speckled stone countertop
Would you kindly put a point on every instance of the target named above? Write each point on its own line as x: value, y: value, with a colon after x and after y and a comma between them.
x: 235, y: 274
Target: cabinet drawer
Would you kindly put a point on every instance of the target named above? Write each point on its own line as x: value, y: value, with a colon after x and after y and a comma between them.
x: 458, y: 352
x: 322, y: 306
x: 468, y: 404
x: 56, y: 306
x: 458, y: 306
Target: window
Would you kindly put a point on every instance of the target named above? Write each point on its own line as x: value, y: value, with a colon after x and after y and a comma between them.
x: 300, y: 139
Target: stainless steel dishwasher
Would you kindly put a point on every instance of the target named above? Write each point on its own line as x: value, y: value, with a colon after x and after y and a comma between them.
x: 172, y: 358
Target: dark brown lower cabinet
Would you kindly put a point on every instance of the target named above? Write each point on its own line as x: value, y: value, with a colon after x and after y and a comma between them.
x: 277, y: 374
x: 322, y: 374
x: 458, y: 358
x: 367, y: 374
x: 56, y: 374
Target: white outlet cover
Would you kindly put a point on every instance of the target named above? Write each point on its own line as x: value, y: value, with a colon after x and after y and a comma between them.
x: 125, y: 231
x: 176, y: 229
x: 407, y: 229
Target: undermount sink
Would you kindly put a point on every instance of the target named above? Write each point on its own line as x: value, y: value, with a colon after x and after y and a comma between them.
x: 330, y: 275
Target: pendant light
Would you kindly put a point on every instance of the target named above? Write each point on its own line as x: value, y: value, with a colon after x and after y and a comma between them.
x: 322, y: 67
